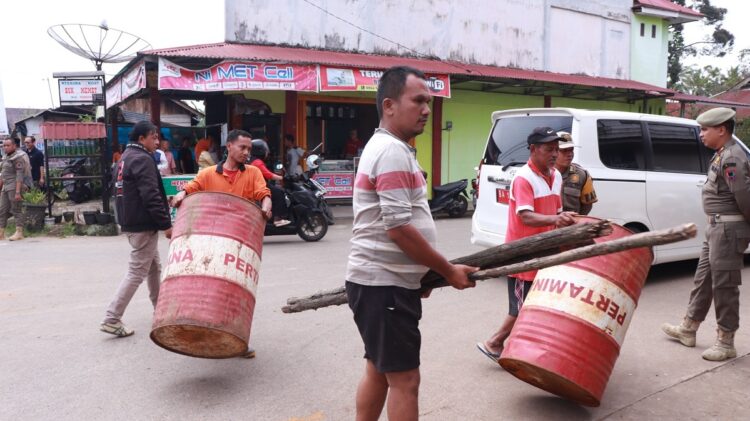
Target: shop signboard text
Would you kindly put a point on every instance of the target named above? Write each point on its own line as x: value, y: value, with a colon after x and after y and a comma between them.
x: 239, y: 76
x: 353, y: 79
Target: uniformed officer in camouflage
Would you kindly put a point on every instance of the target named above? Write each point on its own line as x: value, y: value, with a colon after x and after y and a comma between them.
x: 578, y: 193
x: 15, y: 167
x: 726, y: 202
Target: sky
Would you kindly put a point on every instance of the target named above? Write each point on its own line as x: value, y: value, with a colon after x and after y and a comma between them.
x: 28, y: 56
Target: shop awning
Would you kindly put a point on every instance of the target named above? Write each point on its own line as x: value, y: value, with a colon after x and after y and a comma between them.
x: 198, y: 55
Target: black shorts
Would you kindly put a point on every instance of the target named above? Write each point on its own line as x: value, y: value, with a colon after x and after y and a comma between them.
x: 388, y: 321
x: 518, y: 289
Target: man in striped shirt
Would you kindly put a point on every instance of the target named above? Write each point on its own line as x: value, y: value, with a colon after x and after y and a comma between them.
x: 393, y: 246
x: 535, y: 207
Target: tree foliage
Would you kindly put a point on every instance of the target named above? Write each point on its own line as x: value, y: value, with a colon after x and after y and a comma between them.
x: 710, y: 80
x: 718, y: 44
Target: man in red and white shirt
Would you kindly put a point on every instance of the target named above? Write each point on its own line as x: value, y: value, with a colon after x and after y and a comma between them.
x: 535, y: 207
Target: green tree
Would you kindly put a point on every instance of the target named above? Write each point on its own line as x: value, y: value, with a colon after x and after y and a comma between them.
x: 718, y: 44
x: 710, y: 80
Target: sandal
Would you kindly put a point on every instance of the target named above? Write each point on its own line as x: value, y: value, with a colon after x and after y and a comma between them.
x: 491, y: 355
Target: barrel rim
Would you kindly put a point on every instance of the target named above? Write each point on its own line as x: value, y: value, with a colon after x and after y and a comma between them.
x: 152, y: 335
x: 588, y: 398
x: 225, y: 194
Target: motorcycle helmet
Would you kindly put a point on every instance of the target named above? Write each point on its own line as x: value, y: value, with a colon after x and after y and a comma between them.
x: 259, y: 149
x: 313, y: 162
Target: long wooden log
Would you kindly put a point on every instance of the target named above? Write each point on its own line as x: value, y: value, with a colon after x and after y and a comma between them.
x: 544, y: 244
x: 646, y: 239
x: 539, y: 245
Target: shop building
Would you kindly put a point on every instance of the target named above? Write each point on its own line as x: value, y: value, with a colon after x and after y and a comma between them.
x: 322, y: 87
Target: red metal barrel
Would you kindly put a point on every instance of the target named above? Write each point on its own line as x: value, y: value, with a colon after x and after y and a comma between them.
x: 207, y: 298
x: 572, y: 324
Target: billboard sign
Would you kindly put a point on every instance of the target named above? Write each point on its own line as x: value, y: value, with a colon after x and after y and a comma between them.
x: 80, y: 91
x: 353, y: 79
x: 234, y: 75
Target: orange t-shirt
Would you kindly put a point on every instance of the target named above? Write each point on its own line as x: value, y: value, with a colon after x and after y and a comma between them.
x: 247, y: 183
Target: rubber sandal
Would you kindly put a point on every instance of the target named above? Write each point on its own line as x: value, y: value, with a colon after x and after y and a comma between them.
x: 491, y: 355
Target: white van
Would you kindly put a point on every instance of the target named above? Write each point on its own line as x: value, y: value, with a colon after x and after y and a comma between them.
x: 648, y: 170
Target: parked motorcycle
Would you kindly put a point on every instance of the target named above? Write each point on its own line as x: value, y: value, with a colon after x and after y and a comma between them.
x: 450, y: 198
x: 78, y: 191
x: 313, y: 164
x: 307, y: 214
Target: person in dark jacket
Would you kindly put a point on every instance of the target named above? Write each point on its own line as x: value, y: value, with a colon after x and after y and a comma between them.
x: 142, y: 211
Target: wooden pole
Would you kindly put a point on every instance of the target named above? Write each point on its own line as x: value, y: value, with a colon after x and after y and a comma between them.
x: 538, y: 245
x: 645, y: 239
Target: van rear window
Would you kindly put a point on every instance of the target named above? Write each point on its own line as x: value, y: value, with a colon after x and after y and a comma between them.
x: 508, y: 143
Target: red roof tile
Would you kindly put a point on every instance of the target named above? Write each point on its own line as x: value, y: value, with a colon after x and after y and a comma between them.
x: 725, y: 99
x: 274, y: 53
x: 668, y: 5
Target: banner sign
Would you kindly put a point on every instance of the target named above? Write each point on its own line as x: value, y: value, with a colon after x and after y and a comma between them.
x: 133, y: 81
x: 239, y: 76
x: 338, y: 184
x: 129, y: 84
x: 351, y: 79
x: 80, y: 91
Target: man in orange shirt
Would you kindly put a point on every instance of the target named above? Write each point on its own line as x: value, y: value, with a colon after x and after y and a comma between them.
x: 234, y: 177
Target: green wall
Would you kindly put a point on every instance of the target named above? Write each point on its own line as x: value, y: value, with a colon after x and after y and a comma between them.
x: 648, y: 56
x: 275, y: 99
x: 471, y: 114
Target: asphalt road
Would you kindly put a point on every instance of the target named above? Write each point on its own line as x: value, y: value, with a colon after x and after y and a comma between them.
x: 55, y: 364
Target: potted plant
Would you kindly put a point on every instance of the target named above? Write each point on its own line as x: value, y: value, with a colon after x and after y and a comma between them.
x: 34, y: 208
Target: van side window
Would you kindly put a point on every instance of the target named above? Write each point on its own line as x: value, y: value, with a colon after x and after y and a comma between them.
x: 675, y: 148
x: 621, y: 144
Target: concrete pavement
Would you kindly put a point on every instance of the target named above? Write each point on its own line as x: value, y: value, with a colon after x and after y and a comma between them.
x: 55, y: 364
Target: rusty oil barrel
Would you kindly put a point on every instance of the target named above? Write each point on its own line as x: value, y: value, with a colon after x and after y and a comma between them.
x: 207, y: 297
x: 572, y: 324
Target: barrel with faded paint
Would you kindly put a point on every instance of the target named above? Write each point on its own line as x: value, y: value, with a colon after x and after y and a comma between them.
x: 207, y: 297
x: 568, y: 334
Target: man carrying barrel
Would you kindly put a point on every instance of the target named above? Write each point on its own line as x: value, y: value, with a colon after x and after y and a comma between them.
x: 393, y: 246
x: 535, y: 207
x: 142, y: 212
x: 232, y: 176
x: 726, y: 202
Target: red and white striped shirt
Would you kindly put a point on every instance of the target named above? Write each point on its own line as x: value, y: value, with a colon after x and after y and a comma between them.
x: 389, y: 192
x: 531, y: 190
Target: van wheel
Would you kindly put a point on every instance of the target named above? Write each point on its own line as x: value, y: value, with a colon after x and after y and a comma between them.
x: 636, y: 227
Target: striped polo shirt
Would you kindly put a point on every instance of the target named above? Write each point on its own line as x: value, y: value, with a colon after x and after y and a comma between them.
x: 531, y: 190
x: 389, y: 192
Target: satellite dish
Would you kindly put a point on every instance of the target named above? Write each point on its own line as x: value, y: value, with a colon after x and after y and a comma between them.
x: 100, y: 44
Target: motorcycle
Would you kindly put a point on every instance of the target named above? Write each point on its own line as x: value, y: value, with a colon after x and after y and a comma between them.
x: 451, y: 198
x: 313, y: 163
x: 307, y: 214
x: 78, y: 191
